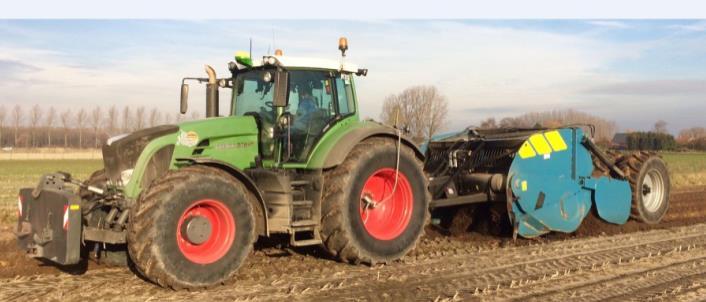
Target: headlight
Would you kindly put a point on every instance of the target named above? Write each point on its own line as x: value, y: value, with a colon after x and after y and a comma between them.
x: 125, y: 176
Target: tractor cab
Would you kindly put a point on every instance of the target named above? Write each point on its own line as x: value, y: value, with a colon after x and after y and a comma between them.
x: 313, y: 94
x: 294, y: 101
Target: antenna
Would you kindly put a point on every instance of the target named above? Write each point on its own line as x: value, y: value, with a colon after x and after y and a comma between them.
x: 251, y: 48
x: 274, y: 45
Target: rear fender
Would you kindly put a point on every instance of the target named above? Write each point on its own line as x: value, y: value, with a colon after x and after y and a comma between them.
x: 346, y: 143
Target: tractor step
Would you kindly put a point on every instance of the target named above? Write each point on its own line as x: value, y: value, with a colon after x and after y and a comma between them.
x: 305, y: 232
x: 304, y: 223
x: 306, y: 242
x: 303, y: 203
x: 299, y: 183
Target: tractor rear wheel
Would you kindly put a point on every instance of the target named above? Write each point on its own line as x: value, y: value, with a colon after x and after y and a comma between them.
x: 192, y: 228
x: 370, y: 213
x: 649, y: 181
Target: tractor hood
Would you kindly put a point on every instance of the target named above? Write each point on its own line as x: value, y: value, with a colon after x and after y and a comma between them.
x: 121, y: 152
x: 151, y: 151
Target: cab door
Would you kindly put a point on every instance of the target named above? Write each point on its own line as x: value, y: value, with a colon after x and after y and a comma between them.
x: 316, y: 100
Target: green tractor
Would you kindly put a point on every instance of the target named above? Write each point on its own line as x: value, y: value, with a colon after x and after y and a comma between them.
x: 187, y: 202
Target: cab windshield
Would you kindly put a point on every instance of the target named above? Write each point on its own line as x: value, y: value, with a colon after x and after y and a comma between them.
x: 253, y: 91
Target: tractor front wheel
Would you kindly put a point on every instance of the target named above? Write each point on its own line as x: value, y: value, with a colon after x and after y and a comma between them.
x: 371, y: 211
x: 192, y: 228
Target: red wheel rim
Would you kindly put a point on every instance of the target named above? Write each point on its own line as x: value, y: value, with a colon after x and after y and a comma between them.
x: 390, y: 212
x: 220, y: 238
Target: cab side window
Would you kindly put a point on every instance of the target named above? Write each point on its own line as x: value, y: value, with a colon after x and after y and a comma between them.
x: 344, y: 92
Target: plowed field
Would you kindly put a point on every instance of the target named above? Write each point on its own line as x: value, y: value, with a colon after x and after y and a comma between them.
x: 598, y: 262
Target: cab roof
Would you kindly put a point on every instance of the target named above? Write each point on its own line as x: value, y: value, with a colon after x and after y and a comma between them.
x: 300, y: 62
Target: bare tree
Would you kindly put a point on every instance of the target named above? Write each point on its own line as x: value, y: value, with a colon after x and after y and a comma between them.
x: 127, y: 119
x: 167, y: 119
x: 420, y: 108
x: 488, y: 123
x: 65, y: 118
x: 96, y: 118
x: 691, y: 134
x: 35, y: 114
x: 195, y: 115
x: 80, y: 122
x: 3, y: 115
x: 604, y: 129
x: 139, y: 118
x: 112, y: 121
x: 178, y: 117
x: 49, y: 123
x: 16, y: 122
x: 661, y: 126
x: 155, y: 117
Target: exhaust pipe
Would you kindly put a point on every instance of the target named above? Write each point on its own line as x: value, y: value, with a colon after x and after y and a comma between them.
x: 211, y: 93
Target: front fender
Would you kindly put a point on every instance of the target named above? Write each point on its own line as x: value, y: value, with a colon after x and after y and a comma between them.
x: 133, y: 187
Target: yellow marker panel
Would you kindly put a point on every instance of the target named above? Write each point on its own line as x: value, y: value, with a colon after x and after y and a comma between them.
x: 74, y: 207
x: 555, y: 140
x: 526, y: 151
x: 524, y: 185
x: 540, y: 144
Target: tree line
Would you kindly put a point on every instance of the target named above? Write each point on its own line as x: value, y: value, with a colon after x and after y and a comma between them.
x: 692, y: 138
x: 38, y: 126
x: 604, y: 129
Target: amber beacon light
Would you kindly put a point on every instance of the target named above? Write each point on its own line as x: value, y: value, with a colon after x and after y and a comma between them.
x: 343, y: 45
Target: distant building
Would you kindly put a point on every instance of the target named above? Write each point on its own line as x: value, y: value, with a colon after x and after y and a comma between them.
x: 620, y: 141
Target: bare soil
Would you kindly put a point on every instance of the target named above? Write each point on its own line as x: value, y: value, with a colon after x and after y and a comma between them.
x: 600, y: 261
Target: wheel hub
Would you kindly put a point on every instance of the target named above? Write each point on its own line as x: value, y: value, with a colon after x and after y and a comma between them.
x: 653, y: 190
x: 386, y: 204
x: 196, y: 229
x: 205, y: 231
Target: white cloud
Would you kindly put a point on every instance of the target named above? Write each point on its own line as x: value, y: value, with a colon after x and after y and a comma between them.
x: 691, y: 27
x: 610, y: 24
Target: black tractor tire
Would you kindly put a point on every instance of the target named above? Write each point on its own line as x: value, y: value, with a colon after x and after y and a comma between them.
x: 343, y: 231
x: 650, y: 184
x: 154, y: 241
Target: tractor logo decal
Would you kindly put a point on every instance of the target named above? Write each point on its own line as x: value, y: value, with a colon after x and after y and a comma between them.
x: 188, y: 139
x: 543, y: 144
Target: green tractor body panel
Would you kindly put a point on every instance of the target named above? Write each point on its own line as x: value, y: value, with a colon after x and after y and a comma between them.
x: 232, y: 140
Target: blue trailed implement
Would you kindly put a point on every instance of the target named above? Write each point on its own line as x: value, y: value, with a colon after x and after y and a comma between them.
x: 545, y: 179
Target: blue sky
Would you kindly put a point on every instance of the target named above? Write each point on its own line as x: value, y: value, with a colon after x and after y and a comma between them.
x: 631, y: 71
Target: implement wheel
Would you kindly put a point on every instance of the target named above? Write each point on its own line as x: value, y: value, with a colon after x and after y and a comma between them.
x: 370, y: 213
x: 649, y: 181
x: 192, y: 228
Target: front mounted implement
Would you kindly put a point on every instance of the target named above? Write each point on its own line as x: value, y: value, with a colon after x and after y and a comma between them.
x: 49, y: 224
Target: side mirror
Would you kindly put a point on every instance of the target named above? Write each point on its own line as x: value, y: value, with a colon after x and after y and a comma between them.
x: 184, y: 97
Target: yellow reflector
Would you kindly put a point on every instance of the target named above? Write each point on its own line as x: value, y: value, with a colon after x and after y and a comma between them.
x: 74, y: 207
x: 540, y: 144
x: 524, y: 185
x: 526, y: 151
x: 555, y: 140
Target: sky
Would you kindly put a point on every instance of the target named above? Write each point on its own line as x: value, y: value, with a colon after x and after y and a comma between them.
x: 633, y: 72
